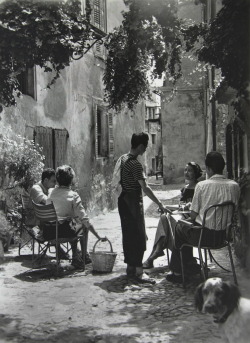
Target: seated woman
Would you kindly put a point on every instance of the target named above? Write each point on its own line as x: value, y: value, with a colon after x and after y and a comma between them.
x: 68, y: 206
x: 192, y: 173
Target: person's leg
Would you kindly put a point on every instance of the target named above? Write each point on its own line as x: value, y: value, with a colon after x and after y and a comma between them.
x: 156, y: 252
x: 181, y: 237
x: 133, y: 231
x: 183, y: 234
x: 159, y: 243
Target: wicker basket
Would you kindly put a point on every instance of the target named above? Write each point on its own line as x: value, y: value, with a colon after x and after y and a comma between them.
x: 103, y: 261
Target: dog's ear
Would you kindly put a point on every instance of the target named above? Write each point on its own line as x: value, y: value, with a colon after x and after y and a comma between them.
x: 198, y: 297
x: 231, y: 295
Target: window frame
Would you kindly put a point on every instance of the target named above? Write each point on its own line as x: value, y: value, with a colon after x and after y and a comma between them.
x: 28, y: 83
x: 104, y: 139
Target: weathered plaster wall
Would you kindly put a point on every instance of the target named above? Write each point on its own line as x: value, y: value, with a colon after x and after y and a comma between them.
x: 69, y: 105
x: 183, y: 135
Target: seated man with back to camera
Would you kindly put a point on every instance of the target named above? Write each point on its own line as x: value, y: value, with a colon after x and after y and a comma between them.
x: 69, y: 209
x: 216, y: 189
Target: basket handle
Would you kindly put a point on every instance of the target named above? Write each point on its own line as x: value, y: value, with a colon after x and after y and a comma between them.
x: 111, y: 249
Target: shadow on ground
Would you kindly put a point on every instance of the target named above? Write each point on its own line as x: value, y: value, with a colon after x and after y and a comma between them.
x: 10, y: 328
x: 48, y: 271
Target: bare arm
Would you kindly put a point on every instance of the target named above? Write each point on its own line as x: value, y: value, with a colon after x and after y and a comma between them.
x: 37, y: 195
x: 148, y: 191
x: 80, y: 213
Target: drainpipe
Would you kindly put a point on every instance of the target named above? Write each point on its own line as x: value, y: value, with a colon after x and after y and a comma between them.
x: 209, y: 14
x: 213, y: 107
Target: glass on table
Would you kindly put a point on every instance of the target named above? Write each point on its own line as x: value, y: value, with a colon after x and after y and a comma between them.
x: 182, y: 205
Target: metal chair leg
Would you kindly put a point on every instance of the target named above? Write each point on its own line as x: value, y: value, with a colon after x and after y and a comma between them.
x: 84, y: 243
x: 205, y: 266
x: 182, y: 269
x: 232, y: 264
x: 202, y: 264
x: 167, y: 256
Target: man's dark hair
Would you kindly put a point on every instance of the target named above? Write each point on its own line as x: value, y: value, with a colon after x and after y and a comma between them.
x: 64, y: 175
x: 139, y: 138
x: 47, y: 173
x: 215, y: 161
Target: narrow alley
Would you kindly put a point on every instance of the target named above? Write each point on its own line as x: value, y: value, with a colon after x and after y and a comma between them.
x: 93, y: 307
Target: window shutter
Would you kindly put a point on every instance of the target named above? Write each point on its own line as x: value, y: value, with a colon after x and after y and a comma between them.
x: 43, y: 136
x: 98, y: 14
x: 60, y: 147
x: 111, y: 135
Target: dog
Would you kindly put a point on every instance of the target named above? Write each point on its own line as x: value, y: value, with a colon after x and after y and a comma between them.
x: 223, y: 300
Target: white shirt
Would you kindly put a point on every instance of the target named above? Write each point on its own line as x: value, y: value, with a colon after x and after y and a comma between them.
x: 215, y: 190
x: 68, y: 204
x: 38, y: 193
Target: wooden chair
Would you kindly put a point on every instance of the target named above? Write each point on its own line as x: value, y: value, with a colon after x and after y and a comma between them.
x: 221, y: 216
x: 46, y: 214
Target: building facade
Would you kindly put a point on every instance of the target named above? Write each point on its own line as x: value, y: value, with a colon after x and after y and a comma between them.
x: 72, y: 122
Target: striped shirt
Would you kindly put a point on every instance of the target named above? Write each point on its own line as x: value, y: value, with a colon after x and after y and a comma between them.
x: 131, y: 172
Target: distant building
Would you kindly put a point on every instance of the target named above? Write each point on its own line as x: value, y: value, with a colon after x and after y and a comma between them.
x: 193, y: 122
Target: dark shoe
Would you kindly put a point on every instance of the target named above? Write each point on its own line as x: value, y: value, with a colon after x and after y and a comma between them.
x: 77, y: 263
x: 87, y: 259
x: 148, y: 264
x: 62, y: 255
x: 174, y: 278
x: 131, y: 271
x: 193, y: 268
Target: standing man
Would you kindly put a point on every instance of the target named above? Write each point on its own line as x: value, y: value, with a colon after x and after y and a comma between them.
x: 130, y: 206
x: 216, y: 189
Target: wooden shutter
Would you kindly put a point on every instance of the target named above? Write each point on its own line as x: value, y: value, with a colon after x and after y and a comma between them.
x: 110, y: 135
x: 60, y: 147
x: 99, y: 14
x: 43, y: 136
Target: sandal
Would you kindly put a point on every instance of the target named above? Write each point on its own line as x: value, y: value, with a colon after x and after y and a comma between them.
x: 144, y: 279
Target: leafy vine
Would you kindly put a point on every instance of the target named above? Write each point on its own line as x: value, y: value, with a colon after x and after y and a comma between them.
x: 46, y: 33
x: 149, y: 32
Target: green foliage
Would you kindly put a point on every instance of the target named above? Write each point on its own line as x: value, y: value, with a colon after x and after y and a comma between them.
x: 149, y: 31
x: 40, y: 32
x: 225, y: 43
x: 21, y: 162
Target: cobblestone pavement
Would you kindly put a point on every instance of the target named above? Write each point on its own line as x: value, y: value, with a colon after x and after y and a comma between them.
x: 90, y: 307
